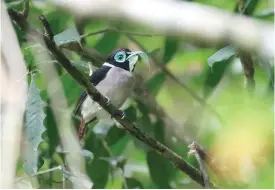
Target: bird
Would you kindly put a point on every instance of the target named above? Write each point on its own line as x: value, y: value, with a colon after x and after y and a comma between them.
x: 115, y: 80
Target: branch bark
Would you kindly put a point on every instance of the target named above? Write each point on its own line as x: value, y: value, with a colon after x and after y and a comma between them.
x: 194, y: 151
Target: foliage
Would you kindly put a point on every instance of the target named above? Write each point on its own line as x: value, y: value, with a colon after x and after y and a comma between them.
x: 114, y: 158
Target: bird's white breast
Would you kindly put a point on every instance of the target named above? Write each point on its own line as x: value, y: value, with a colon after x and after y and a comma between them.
x: 117, y: 86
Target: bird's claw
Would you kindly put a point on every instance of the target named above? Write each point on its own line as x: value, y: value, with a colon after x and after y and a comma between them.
x: 121, y: 114
x: 108, y: 102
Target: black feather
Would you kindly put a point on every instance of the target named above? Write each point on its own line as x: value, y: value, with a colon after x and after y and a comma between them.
x: 95, y: 78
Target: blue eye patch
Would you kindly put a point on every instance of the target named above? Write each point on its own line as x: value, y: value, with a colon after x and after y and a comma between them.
x: 120, y: 57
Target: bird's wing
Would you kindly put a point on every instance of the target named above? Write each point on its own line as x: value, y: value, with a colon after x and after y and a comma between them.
x: 95, y: 78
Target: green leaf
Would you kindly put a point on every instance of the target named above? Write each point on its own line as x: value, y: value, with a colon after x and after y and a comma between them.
x: 267, y: 67
x: 161, y: 170
x: 107, y: 43
x: 118, y: 148
x: 58, y: 20
x: 250, y: 6
x: 221, y: 55
x: 132, y: 183
x: 70, y: 35
x: 98, y: 169
x: 170, y: 48
x: 33, y: 128
x: 29, y: 58
x: 114, y: 135
x: 155, y: 83
x: 71, y: 88
x: 14, y: 4
x: 214, y: 76
x: 52, y: 131
x: 158, y: 167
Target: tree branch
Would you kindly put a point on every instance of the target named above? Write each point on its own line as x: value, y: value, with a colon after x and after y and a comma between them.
x: 131, y: 128
x: 194, y: 21
x: 116, y: 30
x: 194, y: 151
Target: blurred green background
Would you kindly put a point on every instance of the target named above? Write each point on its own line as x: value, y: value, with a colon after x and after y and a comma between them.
x: 239, y: 133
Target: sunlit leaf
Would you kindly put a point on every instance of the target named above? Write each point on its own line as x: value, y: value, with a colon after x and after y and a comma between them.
x: 34, y: 128
x: 14, y: 4
x: 70, y: 35
x: 223, y: 54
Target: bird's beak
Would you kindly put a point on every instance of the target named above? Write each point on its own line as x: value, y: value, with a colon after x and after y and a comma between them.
x: 141, y: 54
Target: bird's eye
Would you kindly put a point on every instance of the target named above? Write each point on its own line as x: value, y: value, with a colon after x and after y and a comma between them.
x: 120, y: 57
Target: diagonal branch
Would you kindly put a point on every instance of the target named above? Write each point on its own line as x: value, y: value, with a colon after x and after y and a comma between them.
x: 194, y: 151
x: 117, y: 30
x: 131, y: 128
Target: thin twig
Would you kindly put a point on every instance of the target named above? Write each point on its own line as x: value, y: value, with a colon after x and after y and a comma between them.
x: 248, y: 68
x: 245, y: 57
x: 193, y: 151
x: 39, y: 173
x: 48, y: 31
x: 116, y: 30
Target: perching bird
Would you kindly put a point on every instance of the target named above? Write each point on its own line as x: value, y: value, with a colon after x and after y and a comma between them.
x: 114, y: 79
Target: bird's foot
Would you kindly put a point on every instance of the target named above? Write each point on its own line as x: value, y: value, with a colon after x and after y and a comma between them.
x: 108, y: 102
x: 120, y: 114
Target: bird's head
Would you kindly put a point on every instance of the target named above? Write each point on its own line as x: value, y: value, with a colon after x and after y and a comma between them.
x: 125, y: 59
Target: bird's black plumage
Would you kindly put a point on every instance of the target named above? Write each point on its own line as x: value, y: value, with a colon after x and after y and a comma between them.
x: 95, y: 78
